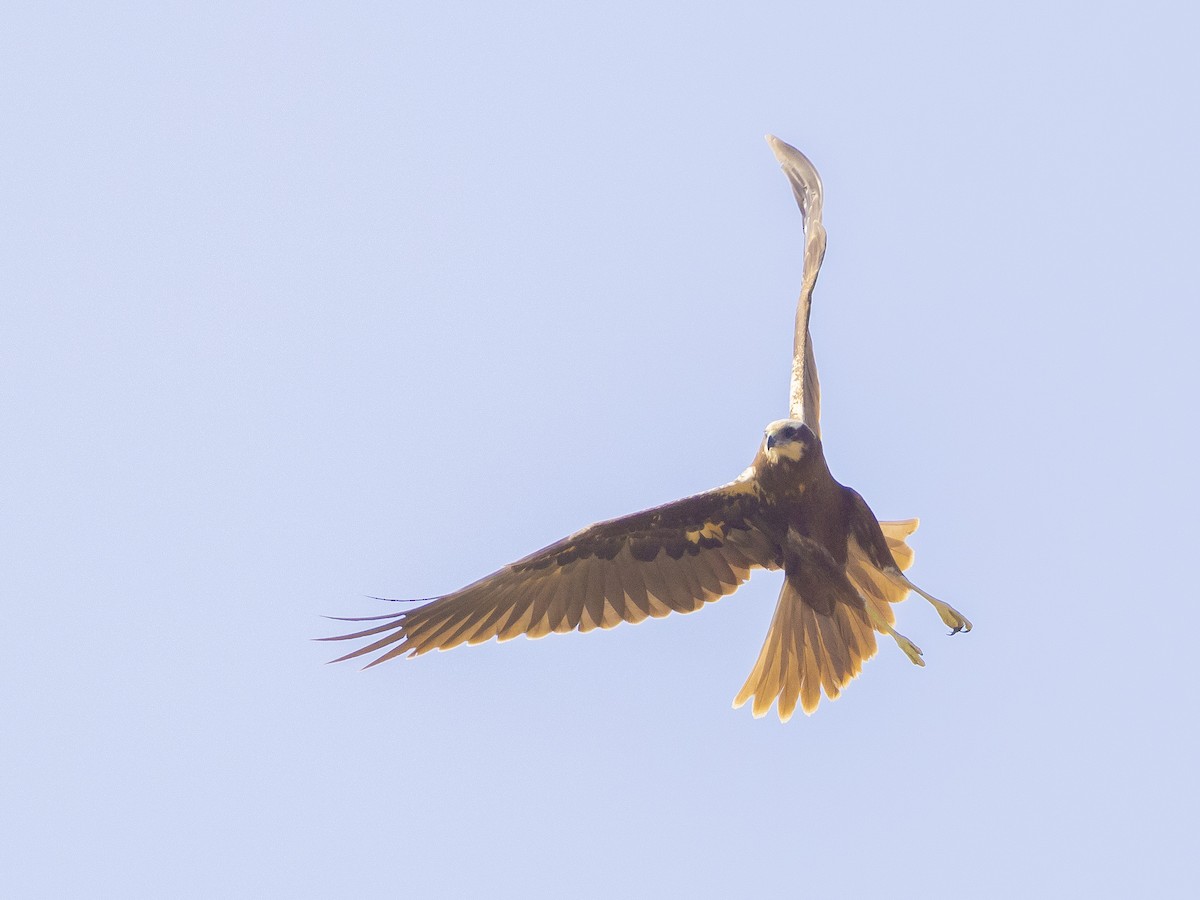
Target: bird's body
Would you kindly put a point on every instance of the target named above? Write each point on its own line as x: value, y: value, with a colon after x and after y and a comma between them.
x: 786, y: 511
x: 842, y: 567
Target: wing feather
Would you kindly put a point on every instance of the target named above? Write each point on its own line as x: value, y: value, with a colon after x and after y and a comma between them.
x: 538, y: 624
x: 392, y: 654
x: 370, y: 648
x: 674, y: 557
x: 505, y: 611
x: 614, y: 598
x: 391, y: 623
x: 709, y: 581
x: 656, y: 588
x: 637, y: 604
x: 723, y: 571
x: 574, y: 602
x: 556, y: 612
x: 529, y: 618
x: 682, y: 590
x: 592, y: 596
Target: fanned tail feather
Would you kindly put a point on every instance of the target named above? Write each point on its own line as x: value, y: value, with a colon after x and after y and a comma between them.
x: 806, y: 651
x: 896, y: 534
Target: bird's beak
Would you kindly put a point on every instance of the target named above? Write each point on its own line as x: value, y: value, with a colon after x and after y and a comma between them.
x: 770, y: 441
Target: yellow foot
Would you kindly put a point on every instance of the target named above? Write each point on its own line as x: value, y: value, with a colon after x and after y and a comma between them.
x: 911, y: 650
x: 955, y: 620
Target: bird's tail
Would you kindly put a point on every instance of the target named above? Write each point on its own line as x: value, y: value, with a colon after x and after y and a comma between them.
x: 820, y: 636
x: 896, y: 534
x: 822, y: 642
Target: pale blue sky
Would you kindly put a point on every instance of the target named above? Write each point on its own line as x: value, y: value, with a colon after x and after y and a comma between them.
x: 303, y: 303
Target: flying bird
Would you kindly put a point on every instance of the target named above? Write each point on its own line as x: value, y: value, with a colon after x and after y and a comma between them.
x: 843, y: 568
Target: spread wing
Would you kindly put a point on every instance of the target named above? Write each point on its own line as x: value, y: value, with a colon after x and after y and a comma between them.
x: 805, y: 397
x: 672, y: 558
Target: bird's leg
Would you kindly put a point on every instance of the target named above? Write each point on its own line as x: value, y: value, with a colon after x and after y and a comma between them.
x: 911, y: 650
x: 954, y: 620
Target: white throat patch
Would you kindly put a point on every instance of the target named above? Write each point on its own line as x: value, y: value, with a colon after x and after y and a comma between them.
x: 793, y: 450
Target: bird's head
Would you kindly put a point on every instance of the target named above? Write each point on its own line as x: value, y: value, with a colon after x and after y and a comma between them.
x: 789, y: 439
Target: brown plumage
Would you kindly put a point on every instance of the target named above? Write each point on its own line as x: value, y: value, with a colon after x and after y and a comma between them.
x: 841, y: 576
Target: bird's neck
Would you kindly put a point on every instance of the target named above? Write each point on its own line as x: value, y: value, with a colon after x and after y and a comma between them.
x: 789, y: 479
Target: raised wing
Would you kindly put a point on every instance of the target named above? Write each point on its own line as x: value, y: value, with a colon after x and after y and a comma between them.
x: 673, y: 558
x: 805, y: 396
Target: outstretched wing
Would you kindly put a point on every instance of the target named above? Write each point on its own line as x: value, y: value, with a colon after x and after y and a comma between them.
x: 673, y: 558
x: 805, y: 397
x: 820, y: 635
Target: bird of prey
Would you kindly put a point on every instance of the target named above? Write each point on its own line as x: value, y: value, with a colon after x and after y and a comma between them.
x: 842, y: 566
